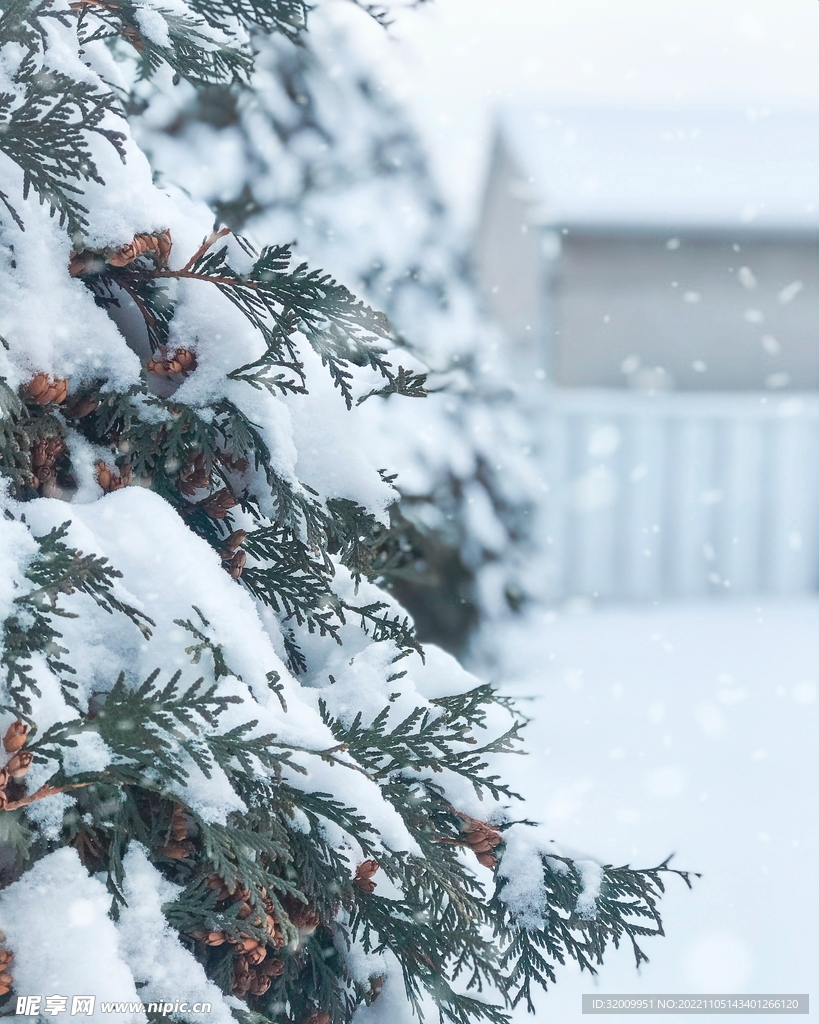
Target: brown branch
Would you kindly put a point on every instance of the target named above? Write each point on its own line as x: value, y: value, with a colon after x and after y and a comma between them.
x: 40, y: 794
x: 189, y: 275
x: 203, y: 248
x: 147, y: 315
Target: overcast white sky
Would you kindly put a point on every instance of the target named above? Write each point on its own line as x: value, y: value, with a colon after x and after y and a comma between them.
x: 455, y: 61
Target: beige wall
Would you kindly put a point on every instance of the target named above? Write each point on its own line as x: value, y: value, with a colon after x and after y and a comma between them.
x: 677, y: 308
x: 603, y: 299
x: 509, y: 263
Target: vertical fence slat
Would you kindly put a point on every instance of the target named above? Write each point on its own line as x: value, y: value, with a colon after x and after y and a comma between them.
x: 681, y: 495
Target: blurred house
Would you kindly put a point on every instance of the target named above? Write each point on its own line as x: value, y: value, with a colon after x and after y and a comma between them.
x: 658, y: 270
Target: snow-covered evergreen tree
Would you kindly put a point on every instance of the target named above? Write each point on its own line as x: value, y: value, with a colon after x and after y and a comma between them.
x: 230, y: 774
x: 317, y: 151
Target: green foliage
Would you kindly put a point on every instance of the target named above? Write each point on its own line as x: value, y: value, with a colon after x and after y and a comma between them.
x: 55, y: 571
x: 626, y: 900
x: 47, y: 132
x: 47, y: 123
x: 429, y: 740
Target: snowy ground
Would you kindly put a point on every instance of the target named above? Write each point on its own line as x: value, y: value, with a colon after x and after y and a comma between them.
x: 688, y: 729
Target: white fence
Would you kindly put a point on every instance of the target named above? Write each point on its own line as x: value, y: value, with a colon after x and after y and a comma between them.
x: 679, y: 495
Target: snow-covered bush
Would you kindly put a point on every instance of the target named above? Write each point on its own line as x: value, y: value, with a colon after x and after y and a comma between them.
x: 317, y: 151
x: 229, y: 773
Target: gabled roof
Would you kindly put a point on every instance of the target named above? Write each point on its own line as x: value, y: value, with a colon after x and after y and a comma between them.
x: 653, y: 168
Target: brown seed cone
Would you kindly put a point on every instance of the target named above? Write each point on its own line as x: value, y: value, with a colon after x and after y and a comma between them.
x: 178, y: 851
x: 272, y: 967
x: 194, y: 476
x: 245, y: 911
x: 255, y: 956
x: 5, y: 989
x: 489, y: 860
x: 210, y: 938
x: 42, y: 389
x: 233, y: 542
x: 302, y: 917
x: 80, y: 263
x: 163, y: 367
x: 83, y: 407
x: 215, y: 883
x: 168, y: 364
x: 238, y: 465
x: 6, y: 956
x: 15, y: 737
x: 44, y: 453
x: 159, y: 244
x: 319, y: 1017
x: 259, y: 984
x: 275, y: 932
x: 236, y: 564
x: 218, y: 504
x: 241, y: 976
x: 4, y: 800
x: 179, y: 823
x: 6, y: 979
x: 104, y: 476
x: 364, y: 875
x: 478, y: 836
x: 111, y: 481
x: 20, y: 764
x: 134, y: 38
x: 248, y: 943
x: 186, y: 359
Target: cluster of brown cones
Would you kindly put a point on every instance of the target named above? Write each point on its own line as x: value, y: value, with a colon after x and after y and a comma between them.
x: 157, y: 246
x: 109, y: 480
x: 43, y: 390
x: 364, y: 875
x: 254, y: 971
x: 481, y: 839
x: 19, y: 762
x: 167, y: 364
x: 44, y: 455
x: 233, y: 558
x: 179, y: 845
x: 6, y: 980
x: 256, y: 963
x: 319, y: 1017
x: 218, y: 504
x: 194, y: 476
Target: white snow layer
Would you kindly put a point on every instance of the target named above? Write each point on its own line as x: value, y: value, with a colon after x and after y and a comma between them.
x: 167, y: 972
x: 56, y: 922
x: 689, y: 729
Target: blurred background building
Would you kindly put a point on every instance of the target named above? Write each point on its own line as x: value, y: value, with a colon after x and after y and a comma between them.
x: 657, y: 270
